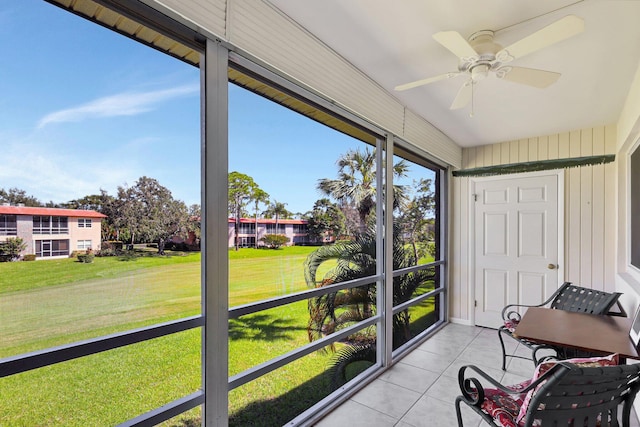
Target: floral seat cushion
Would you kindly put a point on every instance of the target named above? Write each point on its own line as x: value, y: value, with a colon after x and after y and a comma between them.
x: 502, y: 407
x: 511, y: 325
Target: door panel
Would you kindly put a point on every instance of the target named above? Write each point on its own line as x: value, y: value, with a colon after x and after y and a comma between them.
x: 531, y: 234
x: 495, y: 226
x: 516, y: 239
x: 494, y: 298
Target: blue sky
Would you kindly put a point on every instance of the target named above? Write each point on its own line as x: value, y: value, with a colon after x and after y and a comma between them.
x: 83, y: 108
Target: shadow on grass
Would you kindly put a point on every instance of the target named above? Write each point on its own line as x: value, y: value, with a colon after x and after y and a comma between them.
x: 282, y: 409
x: 274, y: 412
x: 263, y: 327
x: 133, y: 255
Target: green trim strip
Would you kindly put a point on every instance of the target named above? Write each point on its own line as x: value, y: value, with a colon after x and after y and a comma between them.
x: 536, y: 166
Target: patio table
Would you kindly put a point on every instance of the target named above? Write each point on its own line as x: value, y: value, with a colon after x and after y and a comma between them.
x: 588, y: 332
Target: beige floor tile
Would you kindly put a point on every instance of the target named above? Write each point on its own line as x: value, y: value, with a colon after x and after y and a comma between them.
x: 354, y: 414
x: 411, y: 377
x: 430, y: 412
x: 426, y: 360
x: 387, y: 398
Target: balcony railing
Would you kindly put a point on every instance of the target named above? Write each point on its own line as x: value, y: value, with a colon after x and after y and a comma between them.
x: 50, y: 230
x: 8, y: 231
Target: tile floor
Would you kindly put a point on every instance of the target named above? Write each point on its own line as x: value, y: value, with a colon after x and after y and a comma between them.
x: 421, y: 388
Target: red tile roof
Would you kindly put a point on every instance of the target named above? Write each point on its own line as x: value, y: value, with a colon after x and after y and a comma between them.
x: 270, y: 221
x: 26, y: 210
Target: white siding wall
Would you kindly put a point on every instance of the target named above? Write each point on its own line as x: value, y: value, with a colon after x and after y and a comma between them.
x: 258, y: 29
x: 590, y: 208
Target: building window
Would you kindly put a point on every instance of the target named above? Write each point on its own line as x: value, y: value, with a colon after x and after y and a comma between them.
x: 300, y: 228
x: 84, y: 223
x: 84, y: 244
x: 49, y: 248
x: 271, y: 229
x: 247, y: 228
x: 635, y: 208
x: 50, y: 225
x: 8, y: 225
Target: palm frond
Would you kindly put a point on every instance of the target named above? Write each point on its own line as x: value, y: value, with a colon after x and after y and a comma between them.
x: 339, y: 371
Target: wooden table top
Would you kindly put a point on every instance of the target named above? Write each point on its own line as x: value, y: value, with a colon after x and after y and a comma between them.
x: 606, y: 334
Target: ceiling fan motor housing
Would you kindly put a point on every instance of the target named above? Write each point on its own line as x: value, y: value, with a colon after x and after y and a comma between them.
x: 480, y: 65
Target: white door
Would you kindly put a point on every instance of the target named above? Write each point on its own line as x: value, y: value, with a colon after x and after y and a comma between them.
x: 516, y: 243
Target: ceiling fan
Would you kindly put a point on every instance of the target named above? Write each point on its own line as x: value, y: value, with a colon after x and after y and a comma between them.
x: 480, y: 55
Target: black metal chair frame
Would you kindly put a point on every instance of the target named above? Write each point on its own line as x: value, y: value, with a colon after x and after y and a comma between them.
x: 568, y: 297
x: 568, y: 395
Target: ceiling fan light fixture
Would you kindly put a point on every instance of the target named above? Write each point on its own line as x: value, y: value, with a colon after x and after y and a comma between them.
x: 480, y: 72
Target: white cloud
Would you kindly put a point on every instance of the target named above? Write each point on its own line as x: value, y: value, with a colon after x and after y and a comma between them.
x: 122, y: 104
x: 47, y: 174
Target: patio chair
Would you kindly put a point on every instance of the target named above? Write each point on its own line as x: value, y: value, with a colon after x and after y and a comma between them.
x: 568, y: 297
x: 566, y: 395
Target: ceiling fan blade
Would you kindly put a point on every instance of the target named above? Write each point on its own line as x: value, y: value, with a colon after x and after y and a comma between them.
x: 464, y: 96
x: 426, y: 81
x: 528, y: 76
x: 457, y: 44
x: 560, y: 30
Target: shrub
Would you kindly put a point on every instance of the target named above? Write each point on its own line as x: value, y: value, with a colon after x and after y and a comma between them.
x: 86, y: 257
x: 113, y: 245
x: 10, y: 249
x: 108, y: 252
x: 274, y: 241
x: 29, y: 257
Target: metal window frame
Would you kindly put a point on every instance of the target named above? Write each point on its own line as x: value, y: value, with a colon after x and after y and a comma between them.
x: 441, y: 291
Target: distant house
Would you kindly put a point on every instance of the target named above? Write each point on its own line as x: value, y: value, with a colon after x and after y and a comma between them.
x: 295, y: 229
x: 51, y: 232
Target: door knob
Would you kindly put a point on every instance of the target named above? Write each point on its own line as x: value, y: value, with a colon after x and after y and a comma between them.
x: 552, y: 266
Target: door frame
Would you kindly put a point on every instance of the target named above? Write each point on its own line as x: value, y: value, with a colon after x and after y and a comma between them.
x: 473, y: 181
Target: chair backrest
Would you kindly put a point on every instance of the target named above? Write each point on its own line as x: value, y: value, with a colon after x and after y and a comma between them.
x: 583, y: 300
x: 574, y: 396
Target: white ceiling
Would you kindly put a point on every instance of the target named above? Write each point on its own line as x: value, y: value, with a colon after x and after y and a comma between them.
x: 391, y: 42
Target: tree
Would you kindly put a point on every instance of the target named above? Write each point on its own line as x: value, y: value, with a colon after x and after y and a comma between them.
x: 242, y: 190
x: 150, y: 213
x: 277, y: 210
x: 16, y: 196
x: 95, y: 202
x: 414, y: 214
x: 326, y: 217
x: 194, y: 224
x: 11, y: 248
x: 356, y: 183
x: 335, y: 311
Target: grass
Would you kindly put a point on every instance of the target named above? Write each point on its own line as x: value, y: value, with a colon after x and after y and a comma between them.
x: 47, y: 303
x: 115, y: 295
x: 22, y: 276
x: 257, y: 274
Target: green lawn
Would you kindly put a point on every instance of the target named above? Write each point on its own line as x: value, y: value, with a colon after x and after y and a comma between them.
x: 48, y: 303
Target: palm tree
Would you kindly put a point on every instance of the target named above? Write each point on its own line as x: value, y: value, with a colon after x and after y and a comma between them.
x: 356, y: 182
x: 277, y: 210
x: 335, y: 311
x: 259, y: 196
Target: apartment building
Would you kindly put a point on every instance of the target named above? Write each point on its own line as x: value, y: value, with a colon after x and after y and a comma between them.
x: 295, y: 229
x: 51, y: 232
